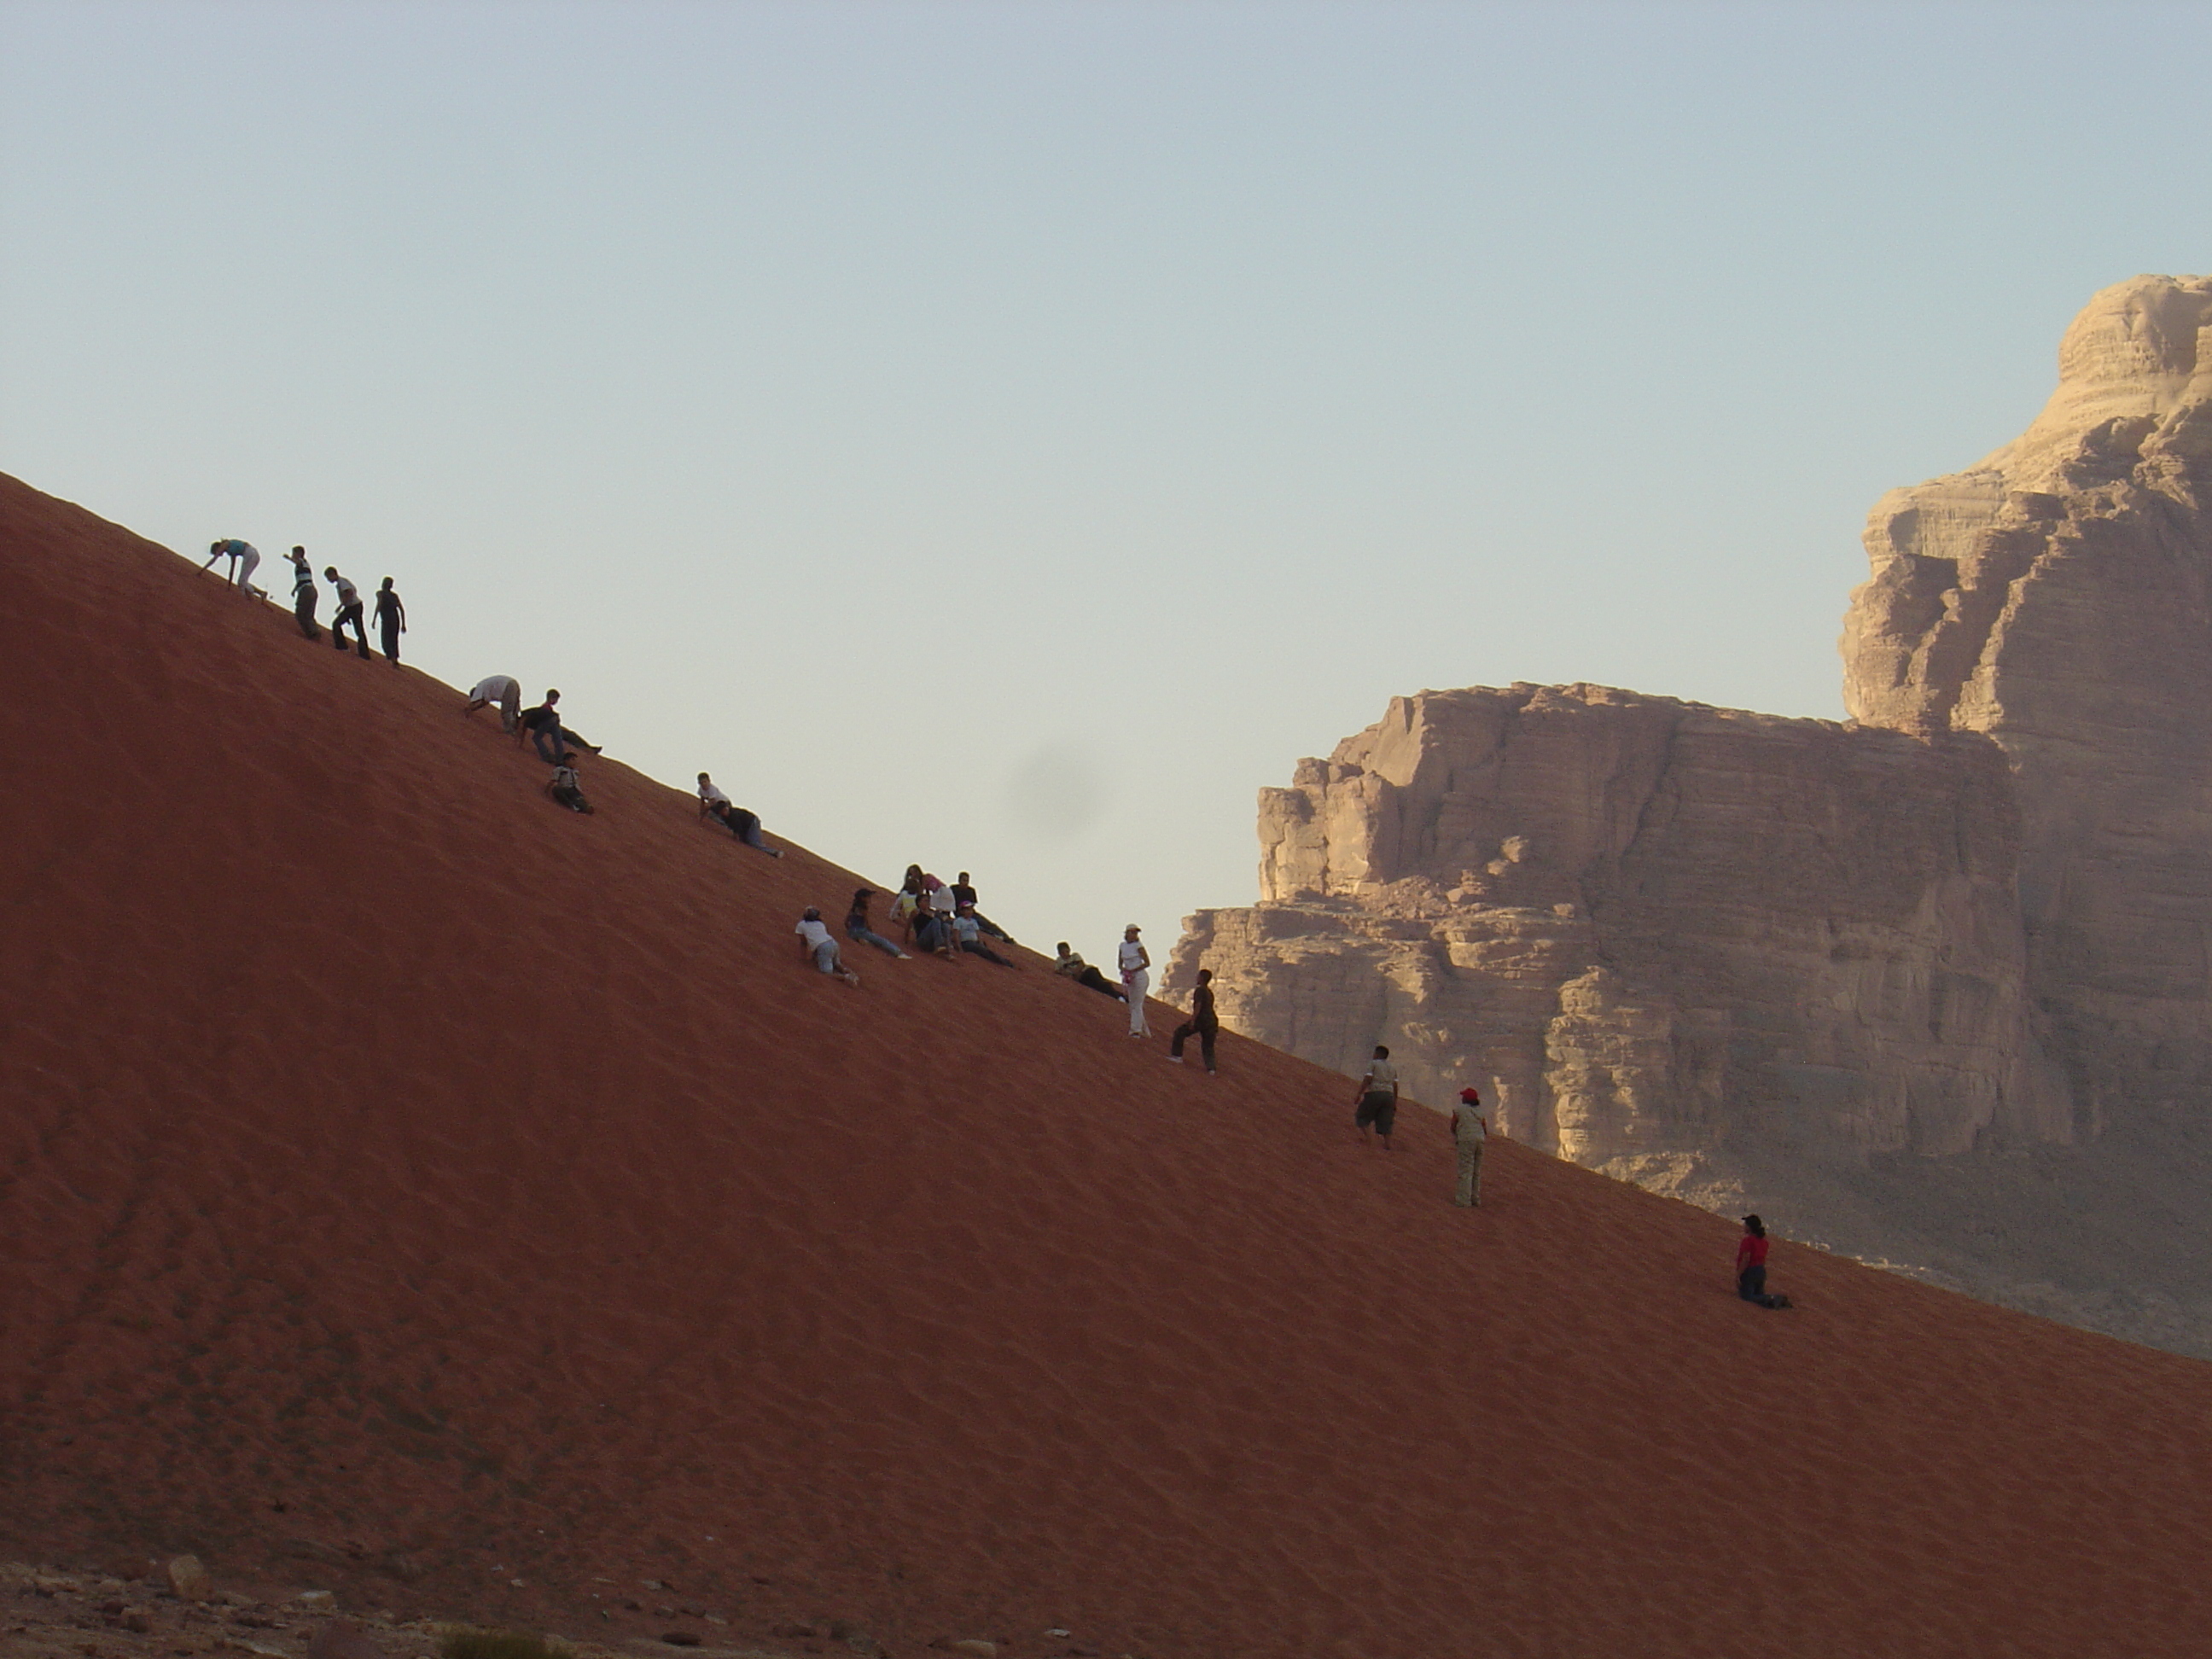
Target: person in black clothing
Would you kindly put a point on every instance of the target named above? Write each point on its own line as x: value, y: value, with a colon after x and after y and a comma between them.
x: 1203, y: 1023
x: 543, y: 725
x: 390, y: 620
x: 963, y: 894
x: 304, y: 594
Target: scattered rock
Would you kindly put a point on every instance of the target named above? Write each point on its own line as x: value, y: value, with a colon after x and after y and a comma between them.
x: 713, y: 1618
x: 792, y: 1630
x: 319, y: 1599
x: 680, y: 1638
x: 190, y: 1580
x: 981, y: 1650
x: 138, y: 1620
x: 341, y: 1638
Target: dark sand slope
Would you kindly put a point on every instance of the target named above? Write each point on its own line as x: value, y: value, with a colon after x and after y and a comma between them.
x: 393, y: 1162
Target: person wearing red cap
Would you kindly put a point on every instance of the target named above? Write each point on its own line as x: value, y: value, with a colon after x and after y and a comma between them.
x: 1469, y: 1131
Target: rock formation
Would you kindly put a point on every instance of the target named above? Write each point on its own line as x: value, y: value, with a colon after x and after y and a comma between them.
x: 1937, y: 982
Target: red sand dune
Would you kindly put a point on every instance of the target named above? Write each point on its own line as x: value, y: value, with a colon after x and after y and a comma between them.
x: 407, y: 1174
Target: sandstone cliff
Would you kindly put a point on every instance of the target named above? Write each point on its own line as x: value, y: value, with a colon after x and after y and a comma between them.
x: 1937, y: 983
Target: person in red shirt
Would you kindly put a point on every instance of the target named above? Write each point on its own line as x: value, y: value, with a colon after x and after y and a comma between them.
x: 1751, y: 1266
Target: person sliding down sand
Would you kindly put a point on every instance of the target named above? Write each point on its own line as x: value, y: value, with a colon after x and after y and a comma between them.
x: 1751, y: 1266
x: 505, y: 691
x: 567, y: 787
x: 816, y: 946
x: 858, y: 931
x: 745, y: 825
x: 1083, y: 973
x: 546, y: 731
x: 1377, y: 1099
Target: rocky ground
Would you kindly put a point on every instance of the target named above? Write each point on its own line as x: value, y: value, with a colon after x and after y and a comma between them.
x: 175, y: 1608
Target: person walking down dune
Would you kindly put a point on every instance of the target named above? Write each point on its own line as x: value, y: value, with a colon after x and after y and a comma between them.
x: 1751, y: 1266
x: 963, y: 892
x: 505, y: 691
x: 567, y: 787
x: 1377, y: 1099
x: 1136, y: 962
x: 305, y: 595
x: 1470, y: 1132
x: 858, y: 931
x: 1203, y: 1023
x: 390, y: 620
x: 817, y: 947
x: 348, y: 610
x: 1083, y: 973
x: 243, y: 557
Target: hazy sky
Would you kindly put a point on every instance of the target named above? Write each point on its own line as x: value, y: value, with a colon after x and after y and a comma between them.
x: 1006, y: 436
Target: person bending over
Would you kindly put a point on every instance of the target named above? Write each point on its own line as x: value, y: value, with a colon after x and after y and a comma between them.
x: 1203, y: 1023
x: 816, y: 946
x: 243, y: 557
x: 567, y: 789
x: 1377, y: 1099
x: 1083, y: 973
x: 858, y: 931
x: 505, y: 691
x: 1751, y: 1266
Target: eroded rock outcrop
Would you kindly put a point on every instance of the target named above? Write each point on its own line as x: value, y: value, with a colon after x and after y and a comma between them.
x: 1939, y: 980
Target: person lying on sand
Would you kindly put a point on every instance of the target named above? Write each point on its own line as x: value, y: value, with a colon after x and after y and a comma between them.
x: 1751, y: 1266
x: 1377, y: 1099
x: 567, y: 789
x: 816, y: 946
x: 1083, y: 973
x: 505, y: 691
x: 745, y: 825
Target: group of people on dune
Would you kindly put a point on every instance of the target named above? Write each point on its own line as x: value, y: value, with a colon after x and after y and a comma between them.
x: 390, y: 615
x: 935, y: 917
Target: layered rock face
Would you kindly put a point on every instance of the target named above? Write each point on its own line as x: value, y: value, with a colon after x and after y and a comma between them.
x: 1937, y: 983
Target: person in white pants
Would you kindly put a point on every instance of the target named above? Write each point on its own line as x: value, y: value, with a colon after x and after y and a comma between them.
x: 243, y: 557
x: 1135, y: 980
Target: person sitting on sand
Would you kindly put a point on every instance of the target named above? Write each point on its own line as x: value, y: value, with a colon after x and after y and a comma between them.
x: 963, y: 892
x: 1470, y: 1132
x: 1377, y: 1099
x: 546, y: 731
x: 567, y: 787
x: 1083, y: 973
x: 968, y: 931
x: 1751, y: 1266
x: 505, y: 691
x: 816, y: 946
x: 1203, y: 1023
x: 243, y: 557
x: 858, y: 931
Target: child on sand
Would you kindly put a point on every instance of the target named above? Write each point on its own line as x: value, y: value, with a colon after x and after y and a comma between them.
x: 817, y: 946
x: 1377, y: 1099
x: 1751, y: 1266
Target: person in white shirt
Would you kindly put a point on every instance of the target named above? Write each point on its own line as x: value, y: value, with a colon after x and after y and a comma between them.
x: 740, y: 821
x: 348, y: 612
x: 568, y: 787
x: 505, y: 691
x: 1136, y: 978
x: 817, y: 946
x: 1469, y: 1131
x: 1377, y: 1099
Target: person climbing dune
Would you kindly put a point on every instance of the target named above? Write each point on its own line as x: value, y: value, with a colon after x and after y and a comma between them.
x: 1751, y: 1266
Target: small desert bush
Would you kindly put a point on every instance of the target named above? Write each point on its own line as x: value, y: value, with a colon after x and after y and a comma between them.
x: 498, y: 1644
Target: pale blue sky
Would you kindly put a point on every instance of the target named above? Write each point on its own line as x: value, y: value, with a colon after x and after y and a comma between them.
x: 1005, y: 436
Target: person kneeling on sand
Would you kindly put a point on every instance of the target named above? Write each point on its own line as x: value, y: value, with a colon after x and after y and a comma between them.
x: 1470, y: 1131
x: 567, y: 787
x: 1083, y: 973
x: 1751, y: 1266
x: 817, y: 947
x: 1377, y: 1099
x: 505, y: 691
